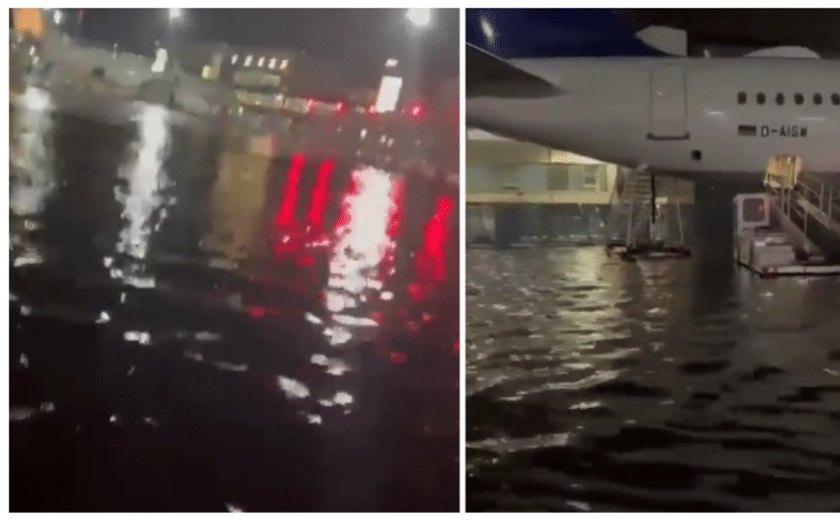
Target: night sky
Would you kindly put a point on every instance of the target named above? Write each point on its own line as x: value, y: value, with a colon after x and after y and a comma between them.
x: 540, y: 33
x: 520, y: 33
x: 360, y: 40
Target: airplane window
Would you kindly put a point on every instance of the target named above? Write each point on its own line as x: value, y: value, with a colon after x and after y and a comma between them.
x: 780, y: 99
x: 798, y: 98
x: 742, y: 98
x: 760, y: 98
x: 817, y: 99
x: 835, y: 99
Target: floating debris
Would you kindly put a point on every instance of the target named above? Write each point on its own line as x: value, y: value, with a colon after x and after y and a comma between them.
x: 233, y: 508
x: 313, y: 419
x: 151, y: 421
x: 131, y: 370
x: 24, y: 361
x: 311, y: 318
x: 104, y: 317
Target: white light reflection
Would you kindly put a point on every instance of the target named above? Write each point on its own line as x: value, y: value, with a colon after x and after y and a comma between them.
x: 33, y: 178
x: 144, y: 338
x: 292, y: 388
x: 362, y: 239
x: 340, y: 398
x: 144, y: 178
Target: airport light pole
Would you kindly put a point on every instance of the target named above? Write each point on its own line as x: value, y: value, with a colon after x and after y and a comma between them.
x: 419, y: 17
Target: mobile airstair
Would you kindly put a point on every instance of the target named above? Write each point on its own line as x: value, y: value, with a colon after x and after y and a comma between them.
x: 645, y: 218
x: 793, y: 228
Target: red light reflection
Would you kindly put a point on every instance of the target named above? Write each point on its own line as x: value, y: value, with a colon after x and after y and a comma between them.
x: 286, y: 215
x: 431, y: 260
x: 319, y: 194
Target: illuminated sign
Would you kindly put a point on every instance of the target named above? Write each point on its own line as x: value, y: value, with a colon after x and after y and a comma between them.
x: 389, y: 94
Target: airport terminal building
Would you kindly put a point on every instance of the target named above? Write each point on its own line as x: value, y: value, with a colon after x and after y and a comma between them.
x: 520, y: 193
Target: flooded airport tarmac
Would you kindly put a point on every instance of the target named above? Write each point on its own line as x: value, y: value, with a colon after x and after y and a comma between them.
x: 198, y: 327
x: 597, y: 385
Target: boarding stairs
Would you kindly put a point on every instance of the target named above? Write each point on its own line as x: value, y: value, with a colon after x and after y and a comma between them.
x: 632, y: 226
x: 807, y: 207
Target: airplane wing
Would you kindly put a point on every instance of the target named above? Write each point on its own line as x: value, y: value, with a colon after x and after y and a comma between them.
x: 489, y: 75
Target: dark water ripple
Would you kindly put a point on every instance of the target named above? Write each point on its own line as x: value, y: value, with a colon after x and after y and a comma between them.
x: 185, y: 335
x: 598, y: 385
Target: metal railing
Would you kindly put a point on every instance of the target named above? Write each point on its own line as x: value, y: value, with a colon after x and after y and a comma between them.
x: 800, y: 195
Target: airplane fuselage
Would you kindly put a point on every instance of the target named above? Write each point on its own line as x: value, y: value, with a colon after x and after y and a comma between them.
x: 682, y: 116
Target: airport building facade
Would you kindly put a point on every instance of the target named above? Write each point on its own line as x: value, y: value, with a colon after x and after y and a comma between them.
x: 521, y: 193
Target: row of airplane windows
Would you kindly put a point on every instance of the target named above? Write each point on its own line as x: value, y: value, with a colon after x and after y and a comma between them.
x: 798, y: 98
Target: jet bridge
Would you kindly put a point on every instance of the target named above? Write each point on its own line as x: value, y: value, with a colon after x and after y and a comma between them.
x: 791, y: 229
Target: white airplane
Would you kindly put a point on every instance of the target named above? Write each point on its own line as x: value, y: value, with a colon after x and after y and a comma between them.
x: 65, y: 66
x: 689, y: 117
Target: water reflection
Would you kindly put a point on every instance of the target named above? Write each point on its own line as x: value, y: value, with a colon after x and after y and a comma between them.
x: 31, y: 132
x: 214, y: 296
x: 652, y: 385
x: 141, y: 196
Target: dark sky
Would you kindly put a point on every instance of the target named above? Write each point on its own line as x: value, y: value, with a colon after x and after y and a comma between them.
x: 604, y: 32
x: 533, y: 33
x: 360, y: 39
